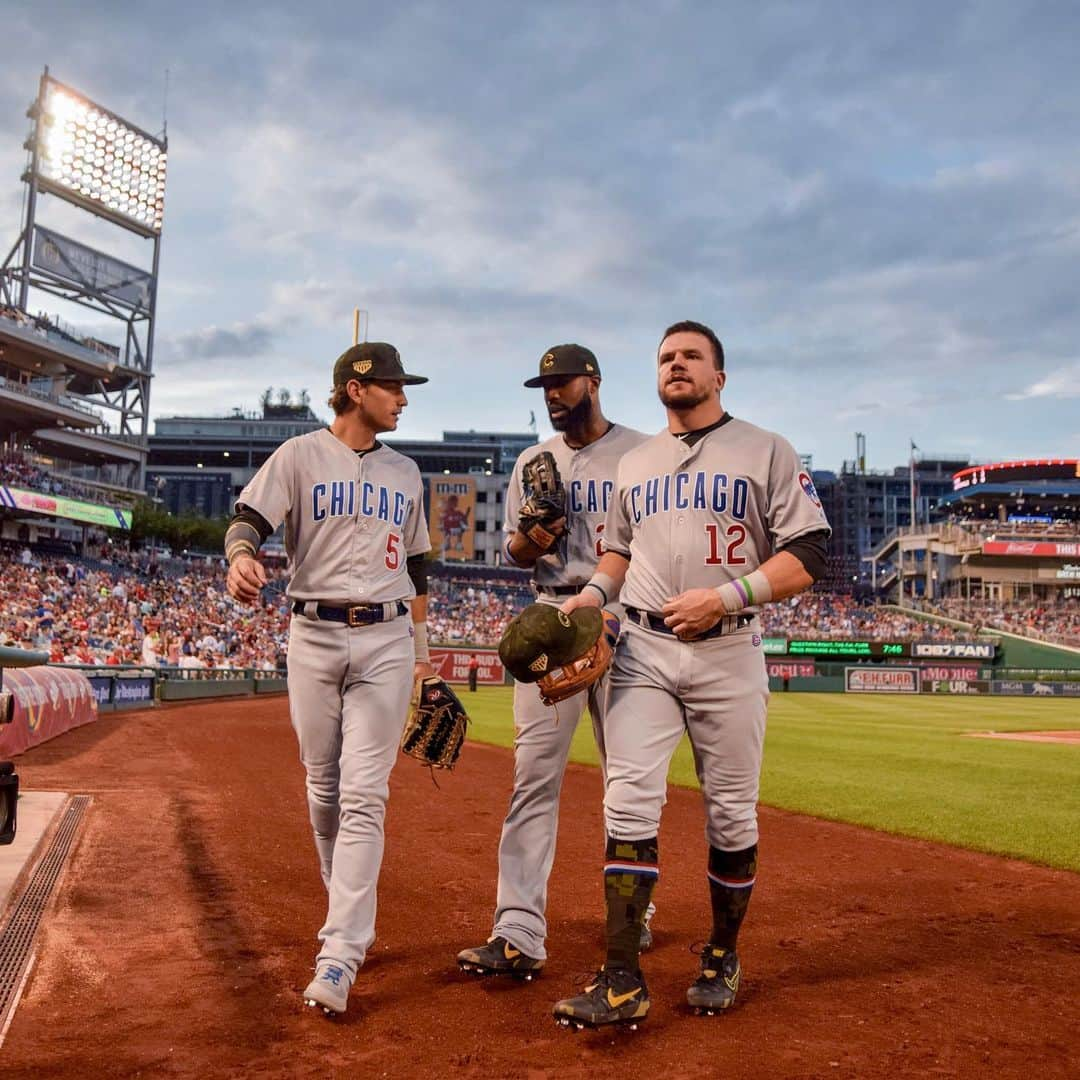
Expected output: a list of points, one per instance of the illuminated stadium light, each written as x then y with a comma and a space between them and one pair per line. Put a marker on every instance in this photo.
92, 157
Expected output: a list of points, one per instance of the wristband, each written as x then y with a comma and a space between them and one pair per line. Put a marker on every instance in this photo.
420, 643
745, 592
238, 548
605, 585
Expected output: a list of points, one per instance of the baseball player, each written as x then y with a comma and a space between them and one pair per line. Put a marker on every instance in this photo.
710, 519
356, 537
587, 448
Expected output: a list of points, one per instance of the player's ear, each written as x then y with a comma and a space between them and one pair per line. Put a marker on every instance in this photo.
721, 378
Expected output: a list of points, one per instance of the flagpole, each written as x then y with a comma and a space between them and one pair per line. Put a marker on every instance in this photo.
911, 482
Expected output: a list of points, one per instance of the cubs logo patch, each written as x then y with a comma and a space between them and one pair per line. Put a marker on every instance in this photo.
755, 640
540, 663
564, 618
548, 361
433, 696
808, 487
361, 367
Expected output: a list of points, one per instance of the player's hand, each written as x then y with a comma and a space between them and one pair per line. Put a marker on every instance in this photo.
693, 612
585, 598
246, 578
422, 670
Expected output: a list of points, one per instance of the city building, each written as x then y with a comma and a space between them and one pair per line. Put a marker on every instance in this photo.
201, 463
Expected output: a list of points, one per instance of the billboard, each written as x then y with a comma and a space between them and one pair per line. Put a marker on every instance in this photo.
1015, 688
1028, 548
13, 498
791, 669
954, 650
955, 686
452, 665
93, 270
453, 508
881, 680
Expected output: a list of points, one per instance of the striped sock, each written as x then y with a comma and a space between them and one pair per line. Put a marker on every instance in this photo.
731, 881
630, 872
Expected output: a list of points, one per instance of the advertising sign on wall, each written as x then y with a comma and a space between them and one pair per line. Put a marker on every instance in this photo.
881, 680
955, 686
59, 506
791, 669
47, 702
954, 650
453, 665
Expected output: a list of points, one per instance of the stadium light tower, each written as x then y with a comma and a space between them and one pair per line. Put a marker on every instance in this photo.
88, 156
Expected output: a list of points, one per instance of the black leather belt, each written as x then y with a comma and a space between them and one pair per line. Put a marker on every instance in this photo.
354, 614
727, 625
559, 590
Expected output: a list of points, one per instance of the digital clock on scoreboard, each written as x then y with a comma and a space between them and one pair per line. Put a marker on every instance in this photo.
849, 648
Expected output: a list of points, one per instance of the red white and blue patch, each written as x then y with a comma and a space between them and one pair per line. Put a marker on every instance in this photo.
808, 486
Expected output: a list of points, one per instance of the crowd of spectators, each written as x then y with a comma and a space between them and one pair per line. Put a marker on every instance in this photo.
115, 606
834, 616
1043, 620
17, 471
111, 613
474, 609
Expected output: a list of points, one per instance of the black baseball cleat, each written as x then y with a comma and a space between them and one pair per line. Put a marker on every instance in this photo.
499, 957
716, 986
615, 996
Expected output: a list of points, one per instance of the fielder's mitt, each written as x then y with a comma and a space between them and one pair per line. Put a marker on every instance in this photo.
545, 500
435, 728
580, 674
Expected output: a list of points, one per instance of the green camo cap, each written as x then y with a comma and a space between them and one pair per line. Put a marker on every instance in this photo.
372, 360
565, 360
543, 638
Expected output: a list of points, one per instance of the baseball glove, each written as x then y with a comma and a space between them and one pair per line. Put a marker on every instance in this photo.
545, 500
580, 674
435, 727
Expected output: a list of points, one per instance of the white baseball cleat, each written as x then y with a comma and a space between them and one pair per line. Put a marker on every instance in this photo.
329, 990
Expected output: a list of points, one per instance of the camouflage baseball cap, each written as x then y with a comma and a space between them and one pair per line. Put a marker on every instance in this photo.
372, 360
565, 360
543, 638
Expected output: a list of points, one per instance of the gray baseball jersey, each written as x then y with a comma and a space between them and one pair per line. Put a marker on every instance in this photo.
696, 516
543, 734
588, 475
691, 517
351, 520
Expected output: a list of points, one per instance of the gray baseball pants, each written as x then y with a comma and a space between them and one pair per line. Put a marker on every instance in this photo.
349, 691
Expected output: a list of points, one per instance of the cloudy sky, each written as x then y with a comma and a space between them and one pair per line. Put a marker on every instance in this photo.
877, 206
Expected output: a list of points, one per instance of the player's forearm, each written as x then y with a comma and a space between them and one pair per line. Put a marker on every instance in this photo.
608, 577
522, 550
777, 578
786, 575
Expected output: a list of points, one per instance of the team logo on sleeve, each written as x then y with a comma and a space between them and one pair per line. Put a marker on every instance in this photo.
808, 486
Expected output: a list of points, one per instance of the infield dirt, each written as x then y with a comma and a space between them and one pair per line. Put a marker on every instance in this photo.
184, 931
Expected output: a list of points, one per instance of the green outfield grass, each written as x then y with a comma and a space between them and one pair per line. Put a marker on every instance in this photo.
902, 765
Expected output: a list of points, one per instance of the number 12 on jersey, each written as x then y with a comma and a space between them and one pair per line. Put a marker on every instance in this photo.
724, 545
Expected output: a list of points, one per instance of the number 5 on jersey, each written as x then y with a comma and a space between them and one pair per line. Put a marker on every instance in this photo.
393, 551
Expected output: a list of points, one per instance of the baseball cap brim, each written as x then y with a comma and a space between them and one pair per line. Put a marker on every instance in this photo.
539, 380
404, 379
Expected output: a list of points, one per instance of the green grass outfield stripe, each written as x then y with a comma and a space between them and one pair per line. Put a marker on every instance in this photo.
900, 764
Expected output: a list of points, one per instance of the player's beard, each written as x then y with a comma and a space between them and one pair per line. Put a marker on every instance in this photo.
685, 395
576, 418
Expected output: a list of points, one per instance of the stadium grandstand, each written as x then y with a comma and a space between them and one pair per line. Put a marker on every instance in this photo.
1002, 551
